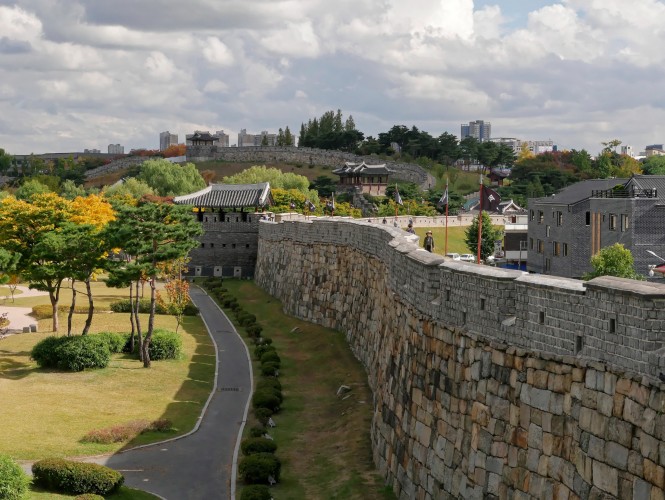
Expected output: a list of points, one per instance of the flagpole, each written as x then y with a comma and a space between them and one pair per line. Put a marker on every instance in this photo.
396, 204
447, 200
480, 218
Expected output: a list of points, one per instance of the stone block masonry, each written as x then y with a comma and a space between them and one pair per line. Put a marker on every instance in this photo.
487, 383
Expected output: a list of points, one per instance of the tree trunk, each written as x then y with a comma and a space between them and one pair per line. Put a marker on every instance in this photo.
131, 317
91, 308
138, 322
151, 323
54, 310
71, 309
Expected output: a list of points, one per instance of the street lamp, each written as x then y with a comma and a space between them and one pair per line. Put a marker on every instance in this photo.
653, 266
655, 255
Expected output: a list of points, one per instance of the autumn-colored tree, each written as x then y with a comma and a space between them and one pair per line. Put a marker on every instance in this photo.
209, 176
177, 299
175, 150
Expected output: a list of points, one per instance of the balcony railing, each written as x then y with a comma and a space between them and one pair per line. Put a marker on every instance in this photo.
625, 193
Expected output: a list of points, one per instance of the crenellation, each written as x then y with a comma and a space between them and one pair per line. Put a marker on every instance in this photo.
484, 402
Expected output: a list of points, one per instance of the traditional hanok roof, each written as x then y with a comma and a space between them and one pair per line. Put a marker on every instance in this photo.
203, 137
351, 168
228, 196
501, 172
509, 206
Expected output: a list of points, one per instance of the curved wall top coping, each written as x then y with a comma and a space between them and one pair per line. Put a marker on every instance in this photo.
547, 281
644, 288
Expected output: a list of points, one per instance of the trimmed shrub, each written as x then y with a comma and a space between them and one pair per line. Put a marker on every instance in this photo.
235, 306
271, 357
246, 319
44, 351
125, 306
45, 311
75, 478
115, 341
256, 492
266, 399
254, 330
165, 345
85, 351
190, 309
269, 369
255, 469
228, 301
269, 383
13, 481
271, 390
263, 414
257, 432
254, 445
261, 349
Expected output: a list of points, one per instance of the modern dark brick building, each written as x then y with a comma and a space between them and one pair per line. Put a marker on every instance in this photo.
566, 229
230, 215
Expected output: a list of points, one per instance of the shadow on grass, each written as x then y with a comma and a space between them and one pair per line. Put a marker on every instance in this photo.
13, 369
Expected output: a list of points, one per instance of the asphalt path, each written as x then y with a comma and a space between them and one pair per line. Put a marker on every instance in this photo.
200, 465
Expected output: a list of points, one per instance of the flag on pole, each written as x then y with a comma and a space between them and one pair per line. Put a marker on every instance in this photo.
444, 198
333, 201
491, 199
310, 206
398, 198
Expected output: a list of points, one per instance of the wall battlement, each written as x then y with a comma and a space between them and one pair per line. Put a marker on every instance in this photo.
306, 156
487, 383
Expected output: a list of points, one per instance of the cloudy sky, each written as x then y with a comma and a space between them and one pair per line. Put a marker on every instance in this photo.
86, 73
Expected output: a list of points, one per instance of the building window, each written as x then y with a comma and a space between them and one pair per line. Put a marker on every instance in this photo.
530, 243
541, 317
532, 215
556, 248
203, 245
578, 344
547, 231
559, 218
541, 246
513, 219
212, 245
548, 266
482, 304
233, 245
624, 222
565, 250
247, 245
223, 245
541, 216
613, 222
588, 218
447, 294
613, 325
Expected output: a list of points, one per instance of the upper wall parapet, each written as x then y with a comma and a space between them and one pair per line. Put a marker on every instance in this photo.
613, 320
307, 156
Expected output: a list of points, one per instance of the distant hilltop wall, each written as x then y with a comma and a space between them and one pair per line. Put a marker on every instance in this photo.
487, 383
307, 156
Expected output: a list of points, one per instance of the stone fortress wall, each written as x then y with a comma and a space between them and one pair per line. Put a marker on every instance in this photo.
307, 156
487, 383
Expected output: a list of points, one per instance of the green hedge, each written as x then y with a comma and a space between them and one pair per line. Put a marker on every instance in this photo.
271, 357
254, 330
269, 369
256, 492
115, 341
75, 478
125, 306
253, 445
255, 469
13, 481
165, 345
266, 399
260, 350
72, 353
263, 414
269, 383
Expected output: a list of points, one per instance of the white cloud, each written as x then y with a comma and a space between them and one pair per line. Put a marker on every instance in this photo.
160, 66
216, 52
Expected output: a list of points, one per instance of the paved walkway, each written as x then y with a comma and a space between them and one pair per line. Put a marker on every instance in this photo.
201, 465
19, 317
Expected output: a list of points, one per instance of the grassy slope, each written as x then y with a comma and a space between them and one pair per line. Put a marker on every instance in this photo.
323, 441
62, 407
124, 494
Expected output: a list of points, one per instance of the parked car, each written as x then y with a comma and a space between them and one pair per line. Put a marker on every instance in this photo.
467, 257
454, 256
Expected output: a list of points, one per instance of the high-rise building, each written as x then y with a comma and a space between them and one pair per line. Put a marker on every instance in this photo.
94, 151
167, 139
245, 139
116, 149
223, 139
478, 129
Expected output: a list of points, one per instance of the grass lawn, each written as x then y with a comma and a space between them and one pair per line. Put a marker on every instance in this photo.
456, 237
50, 411
226, 168
323, 441
124, 494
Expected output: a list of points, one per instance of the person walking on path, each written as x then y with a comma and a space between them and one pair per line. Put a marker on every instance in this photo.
429, 242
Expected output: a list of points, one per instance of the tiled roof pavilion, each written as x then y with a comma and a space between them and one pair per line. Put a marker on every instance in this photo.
229, 196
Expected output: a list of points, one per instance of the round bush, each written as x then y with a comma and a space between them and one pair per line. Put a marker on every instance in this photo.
255, 469
257, 432
250, 446
259, 350
256, 492
13, 481
190, 310
271, 357
76, 478
165, 345
44, 351
254, 330
266, 399
85, 351
262, 415
269, 383
115, 341
269, 369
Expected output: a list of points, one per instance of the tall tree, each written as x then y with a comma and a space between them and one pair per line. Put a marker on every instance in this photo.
614, 260
154, 233
171, 179
490, 234
288, 137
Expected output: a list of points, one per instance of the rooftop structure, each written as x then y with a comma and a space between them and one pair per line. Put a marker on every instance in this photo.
371, 179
